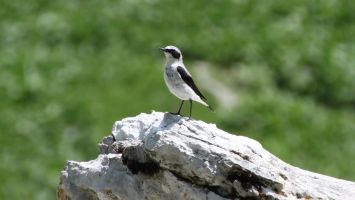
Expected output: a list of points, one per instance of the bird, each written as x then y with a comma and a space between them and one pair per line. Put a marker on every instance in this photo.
179, 81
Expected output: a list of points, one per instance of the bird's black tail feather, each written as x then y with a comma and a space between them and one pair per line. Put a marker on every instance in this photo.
211, 109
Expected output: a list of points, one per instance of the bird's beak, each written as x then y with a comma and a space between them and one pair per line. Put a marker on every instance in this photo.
162, 49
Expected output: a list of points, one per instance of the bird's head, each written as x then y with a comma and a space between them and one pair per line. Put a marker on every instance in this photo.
172, 53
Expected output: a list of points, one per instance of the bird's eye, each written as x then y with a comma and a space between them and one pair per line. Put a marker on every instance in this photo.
174, 53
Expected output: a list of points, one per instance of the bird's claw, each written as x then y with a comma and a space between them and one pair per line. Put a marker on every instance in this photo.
174, 113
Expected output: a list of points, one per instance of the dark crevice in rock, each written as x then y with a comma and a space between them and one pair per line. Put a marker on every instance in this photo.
136, 160
244, 177
223, 192
249, 180
146, 168
245, 157
219, 190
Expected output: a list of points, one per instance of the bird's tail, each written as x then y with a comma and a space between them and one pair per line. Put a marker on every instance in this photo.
211, 109
205, 104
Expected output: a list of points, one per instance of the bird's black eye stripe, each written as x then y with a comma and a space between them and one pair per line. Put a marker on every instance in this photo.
174, 53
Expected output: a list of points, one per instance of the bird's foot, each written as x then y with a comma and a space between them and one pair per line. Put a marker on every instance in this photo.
175, 113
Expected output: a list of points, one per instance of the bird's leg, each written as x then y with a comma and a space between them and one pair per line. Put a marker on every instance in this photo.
178, 112
182, 102
190, 108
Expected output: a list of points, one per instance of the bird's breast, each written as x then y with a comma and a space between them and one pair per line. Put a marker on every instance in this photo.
169, 72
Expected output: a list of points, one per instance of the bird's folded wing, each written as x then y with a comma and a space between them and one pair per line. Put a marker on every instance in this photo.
188, 80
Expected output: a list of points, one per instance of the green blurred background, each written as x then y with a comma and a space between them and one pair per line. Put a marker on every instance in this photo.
281, 72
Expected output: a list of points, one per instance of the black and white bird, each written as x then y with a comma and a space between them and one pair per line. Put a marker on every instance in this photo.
178, 79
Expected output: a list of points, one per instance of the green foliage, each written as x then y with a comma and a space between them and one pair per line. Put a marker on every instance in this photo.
69, 69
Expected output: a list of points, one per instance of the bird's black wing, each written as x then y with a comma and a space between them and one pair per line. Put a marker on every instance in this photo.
188, 80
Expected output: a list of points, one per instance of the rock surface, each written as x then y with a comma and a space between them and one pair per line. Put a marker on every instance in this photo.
162, 156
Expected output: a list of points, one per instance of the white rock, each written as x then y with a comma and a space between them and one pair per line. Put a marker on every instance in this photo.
162, 156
